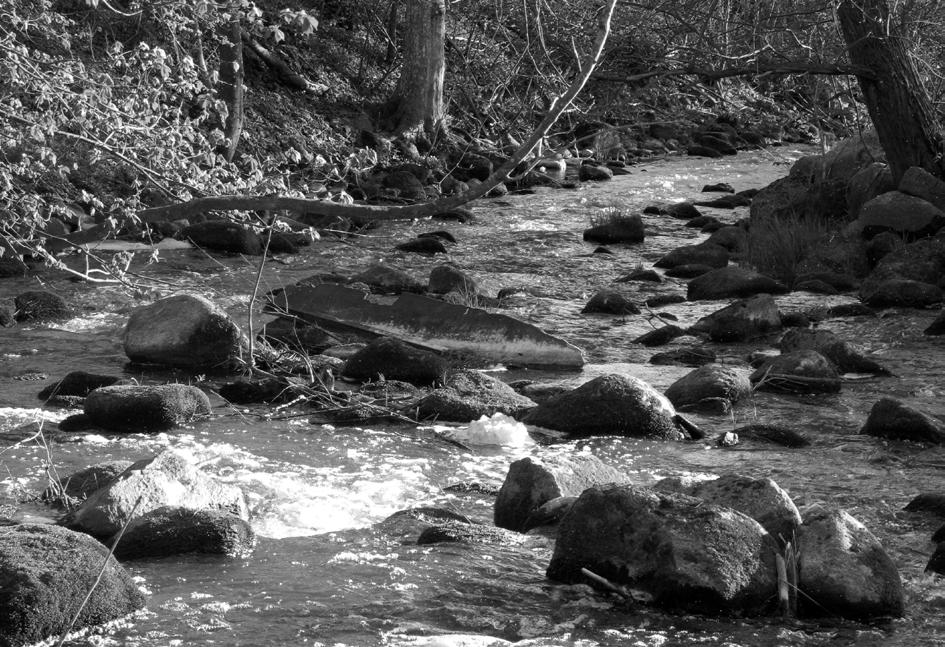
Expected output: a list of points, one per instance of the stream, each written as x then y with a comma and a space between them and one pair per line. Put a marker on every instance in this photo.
322, 574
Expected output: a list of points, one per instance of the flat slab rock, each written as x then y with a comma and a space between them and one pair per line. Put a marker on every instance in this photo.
434, 325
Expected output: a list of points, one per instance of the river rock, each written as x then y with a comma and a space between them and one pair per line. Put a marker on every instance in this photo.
922, 184
649, 276
408, 525
530, 483
446, 278
609, 405
702, 221
742, 320
405, 183
838, 281
469, 533
896, 420
880, 246
846, 357
176, 531
660, 336
922, 261
468, 395
549, 514
79, 485
732, 282
299, 335
134, 408
47, 571
691, 356
184, 331
904, 214
611, 302
802, 371
428, 246
701, 254
681, 211
700, 150
867, 183
717, 141
774, 434
270, 390
725, 202
903, 293
620, 229
815, 287
930, 502
685, 553
224, 236
395, 360
40, 306
76, 383
388, 280
937, 560
731, 237
718, 187
937, 327
168, 479
689, 271
761, 499
843, 570
595, 173
707, 385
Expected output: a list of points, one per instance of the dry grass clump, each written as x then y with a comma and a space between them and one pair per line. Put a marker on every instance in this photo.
777, 246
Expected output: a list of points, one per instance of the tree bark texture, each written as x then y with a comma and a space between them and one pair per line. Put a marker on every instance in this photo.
895, 97
418, 99
231, 85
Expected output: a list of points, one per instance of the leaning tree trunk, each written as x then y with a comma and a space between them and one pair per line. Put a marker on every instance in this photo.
895, 97
418, 100
231, 85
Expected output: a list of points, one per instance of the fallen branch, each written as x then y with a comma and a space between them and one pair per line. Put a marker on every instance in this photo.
759, 69
366, 213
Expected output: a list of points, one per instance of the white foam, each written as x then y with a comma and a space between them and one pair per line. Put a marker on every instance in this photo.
499, 429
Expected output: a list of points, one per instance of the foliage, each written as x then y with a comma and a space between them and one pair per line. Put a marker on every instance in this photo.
777, 246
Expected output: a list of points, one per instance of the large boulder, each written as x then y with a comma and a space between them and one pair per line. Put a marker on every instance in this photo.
903, 293
890, 418
701, 254
742, 320
899, 212
392, 359
467, 395
446, 278
46, 572
685, 553
224, 236
176, 531
802, 371
530, 483
594, 172
388, 279
709, 386
732, 282
609, 404
922, 261
168, 479
621, 229
611, 302
761, 499
867, 183
134, 408
816, 186
40, 306
844, 355
843, 569
184, 331
76, 383
922, 184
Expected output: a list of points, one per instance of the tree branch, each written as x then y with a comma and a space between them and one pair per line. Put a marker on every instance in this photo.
365, 213
781, 67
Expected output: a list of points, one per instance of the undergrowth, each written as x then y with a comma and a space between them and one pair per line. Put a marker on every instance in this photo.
778, 246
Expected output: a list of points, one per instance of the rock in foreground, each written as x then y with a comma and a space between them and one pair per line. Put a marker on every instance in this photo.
685, 553
46, 573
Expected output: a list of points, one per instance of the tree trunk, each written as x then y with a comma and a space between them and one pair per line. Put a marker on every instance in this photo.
418, 100
231, 85
895, 97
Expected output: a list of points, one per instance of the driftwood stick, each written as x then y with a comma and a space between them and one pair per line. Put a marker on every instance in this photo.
366, 213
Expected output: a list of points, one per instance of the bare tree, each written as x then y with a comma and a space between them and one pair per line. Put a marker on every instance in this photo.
418, 100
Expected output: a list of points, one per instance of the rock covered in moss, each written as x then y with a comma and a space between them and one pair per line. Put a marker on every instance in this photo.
40, 306
136, 408
709, 382
394, 360
466, 395
176, 531
47, 571
890, 418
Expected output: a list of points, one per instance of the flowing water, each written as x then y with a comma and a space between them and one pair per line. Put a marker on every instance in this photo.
323, 574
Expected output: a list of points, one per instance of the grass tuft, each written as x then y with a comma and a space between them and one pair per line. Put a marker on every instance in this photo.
776, 246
